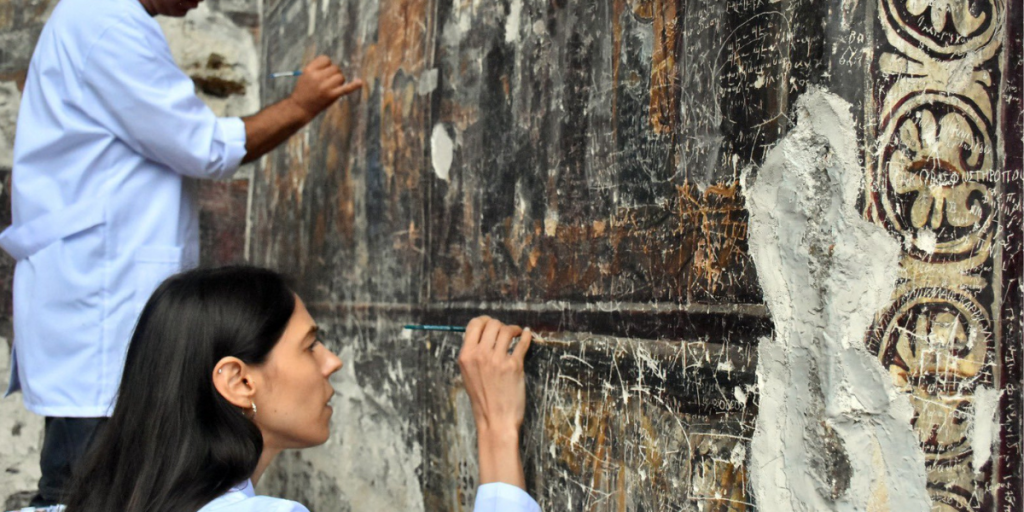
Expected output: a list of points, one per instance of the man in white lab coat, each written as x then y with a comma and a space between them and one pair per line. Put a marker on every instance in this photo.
108, 128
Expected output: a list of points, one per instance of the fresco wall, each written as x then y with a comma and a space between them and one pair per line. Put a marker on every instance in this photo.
774, 247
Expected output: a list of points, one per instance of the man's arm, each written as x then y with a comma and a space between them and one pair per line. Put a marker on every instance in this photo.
319, 86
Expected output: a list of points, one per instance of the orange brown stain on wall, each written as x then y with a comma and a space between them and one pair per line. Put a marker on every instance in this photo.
594, 457
720, 214
695, 241
298, 168
664, 69
18, 77
664, 89
400, 49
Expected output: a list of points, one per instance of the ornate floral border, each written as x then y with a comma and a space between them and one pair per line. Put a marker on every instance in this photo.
934, 180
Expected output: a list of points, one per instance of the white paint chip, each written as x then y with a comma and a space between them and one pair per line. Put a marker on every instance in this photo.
985, 425
428, 82
311, 26
926, 240
515, 15
442, 150
10, 99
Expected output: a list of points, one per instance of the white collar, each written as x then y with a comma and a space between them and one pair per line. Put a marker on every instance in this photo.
244, 488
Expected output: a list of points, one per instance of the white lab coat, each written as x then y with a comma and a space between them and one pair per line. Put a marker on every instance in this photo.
108, 127
494, 497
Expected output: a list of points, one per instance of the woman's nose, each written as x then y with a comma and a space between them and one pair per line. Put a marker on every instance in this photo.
332, 364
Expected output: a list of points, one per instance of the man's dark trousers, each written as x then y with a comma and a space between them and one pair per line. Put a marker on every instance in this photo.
65, 441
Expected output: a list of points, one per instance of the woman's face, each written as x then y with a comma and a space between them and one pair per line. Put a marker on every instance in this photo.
292, 402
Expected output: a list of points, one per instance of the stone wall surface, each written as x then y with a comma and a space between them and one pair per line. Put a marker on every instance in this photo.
218, 46
773, 246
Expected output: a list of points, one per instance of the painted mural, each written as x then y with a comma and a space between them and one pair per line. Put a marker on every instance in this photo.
575, 167
939, 183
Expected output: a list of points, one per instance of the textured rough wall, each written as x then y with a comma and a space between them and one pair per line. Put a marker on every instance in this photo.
775, 244
217, 45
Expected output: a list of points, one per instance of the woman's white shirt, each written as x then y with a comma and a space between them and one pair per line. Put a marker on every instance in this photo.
495, 497
243, 498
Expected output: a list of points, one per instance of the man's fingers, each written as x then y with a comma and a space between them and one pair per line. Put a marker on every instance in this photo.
350, 87
333, 82
524, 344
320, 62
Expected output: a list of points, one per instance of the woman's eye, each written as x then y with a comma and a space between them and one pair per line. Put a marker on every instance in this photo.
313, 345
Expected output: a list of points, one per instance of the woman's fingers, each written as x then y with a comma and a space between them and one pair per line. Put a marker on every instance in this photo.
474, 331
488, 339
505, 337
519, 353
490, 335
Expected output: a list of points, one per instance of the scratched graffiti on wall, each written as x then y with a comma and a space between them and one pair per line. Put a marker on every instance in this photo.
574, 166
937, 184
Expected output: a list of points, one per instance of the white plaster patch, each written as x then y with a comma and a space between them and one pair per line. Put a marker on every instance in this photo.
926, 240
465, 20
428, 82
513, 21
551, 225
203, 32
311, 9
539, 29
819, 385
442, 151
577, 430
10, 100
985, 425
21, 434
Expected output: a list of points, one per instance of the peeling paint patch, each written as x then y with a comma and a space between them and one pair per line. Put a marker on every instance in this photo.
513, 21
441, 151
428, 82
10, 98
985, 427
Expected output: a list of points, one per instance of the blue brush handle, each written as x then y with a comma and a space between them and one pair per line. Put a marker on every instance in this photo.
444, 328
285, 74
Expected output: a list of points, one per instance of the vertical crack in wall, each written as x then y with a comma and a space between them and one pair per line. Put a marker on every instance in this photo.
832, 432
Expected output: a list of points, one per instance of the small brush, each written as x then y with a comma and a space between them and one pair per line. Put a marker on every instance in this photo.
460, 328
283, 74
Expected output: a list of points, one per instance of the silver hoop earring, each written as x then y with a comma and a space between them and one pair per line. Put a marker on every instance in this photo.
253, 410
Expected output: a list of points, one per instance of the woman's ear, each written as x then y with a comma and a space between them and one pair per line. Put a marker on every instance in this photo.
234, 381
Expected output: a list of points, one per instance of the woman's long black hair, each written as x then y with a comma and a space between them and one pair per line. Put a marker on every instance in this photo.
173, 443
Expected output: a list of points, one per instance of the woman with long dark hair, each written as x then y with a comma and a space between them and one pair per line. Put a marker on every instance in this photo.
224, 371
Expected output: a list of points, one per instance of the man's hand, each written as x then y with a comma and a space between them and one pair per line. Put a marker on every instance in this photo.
497, 390
320, 85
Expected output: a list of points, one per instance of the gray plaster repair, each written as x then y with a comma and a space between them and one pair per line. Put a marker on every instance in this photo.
832, 432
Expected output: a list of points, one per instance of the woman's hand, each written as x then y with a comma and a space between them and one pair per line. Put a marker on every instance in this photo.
497, 389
